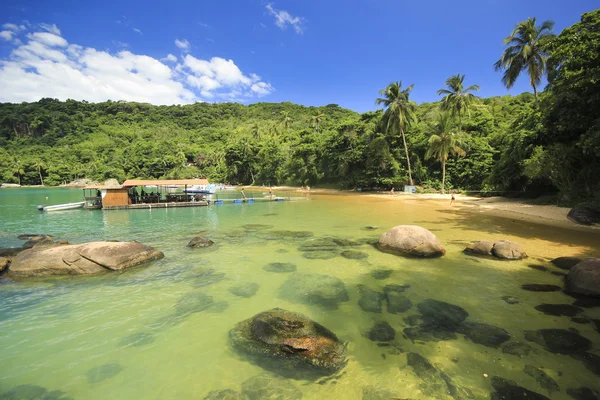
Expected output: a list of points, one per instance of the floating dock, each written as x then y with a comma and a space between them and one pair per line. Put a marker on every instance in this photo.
149, 206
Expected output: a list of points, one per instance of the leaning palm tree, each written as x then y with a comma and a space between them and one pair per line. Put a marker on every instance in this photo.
399, 113
39, 165
317, 119
525, 51
457, 99
444, 142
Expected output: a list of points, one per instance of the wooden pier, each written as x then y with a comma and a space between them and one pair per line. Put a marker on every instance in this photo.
149, 206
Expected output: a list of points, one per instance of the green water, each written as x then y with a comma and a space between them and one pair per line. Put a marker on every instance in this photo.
55, 331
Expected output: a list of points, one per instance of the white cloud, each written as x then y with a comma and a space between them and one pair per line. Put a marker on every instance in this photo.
50, 28
14, 27
210, 40
202, 24
170, 58
183, 45
283, 18
48, 66
136, 30
6, 35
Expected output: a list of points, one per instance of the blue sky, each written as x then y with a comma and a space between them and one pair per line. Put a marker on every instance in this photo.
305, 51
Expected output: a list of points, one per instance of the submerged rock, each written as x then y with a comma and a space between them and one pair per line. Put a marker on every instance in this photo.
284, 235
382, 332
517, 349
103, 372
378, 393
411, 240
193, 303
583, 393
584, 215
320, 255
42, 240
381, 274
205, 277
315, 289
583, 278
560, 341
354, 254
558, 310
566, 262
436, 383
370, 300
510, 299
396, 301
289, 341
542, 378
590, 361
256, 227
33, 392
540, 287
200, 242
509, 390
81, 259
227, 394
487, 335
246, 289
445, 314
280, 267
267, 386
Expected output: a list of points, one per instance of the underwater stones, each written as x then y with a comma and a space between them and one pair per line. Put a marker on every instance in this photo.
284, 235
267, 386
436, 383
200, 242
487, 335
560, 341
584, 278
246, 289
206, 277
411, 240
429, 332
381, 274
510, 299
227, 394
585, 301
37, 240
137, 340
504, 249
103, 372
590, 361
395, 300
256, 227
354, 254
370, 300
193, 303
320, 255
559, 310
280, 267
517, 349
509, 390
443, 313
377, 393
540, 287
81, 259
483, 247
319, 244
542, 378
33, 392
583, 393
584, 215
566, 262
315, 289
382, 332
289, 341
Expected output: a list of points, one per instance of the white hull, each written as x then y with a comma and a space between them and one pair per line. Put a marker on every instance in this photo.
62, 207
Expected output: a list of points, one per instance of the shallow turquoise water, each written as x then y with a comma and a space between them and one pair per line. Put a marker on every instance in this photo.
56, 332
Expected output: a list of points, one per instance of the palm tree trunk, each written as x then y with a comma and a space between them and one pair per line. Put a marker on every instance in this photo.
407, 157
535, 92
41, 179
19, 175
443, 176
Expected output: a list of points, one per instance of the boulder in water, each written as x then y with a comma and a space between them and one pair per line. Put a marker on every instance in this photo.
315, 289
505, 390
559, 310
382, 332
487, 335
411, 240
289, 341
396, 301
583, 393
280, 267
540, 287
436, 383
200, 242
542, 378
3, 264
377, 393
82, 259
370, 300
42, 240
517, 349
227, 394
354, 254
443, 313
483, 247
559, 341
590, 361
584, 278
267, 386
504, 249
245, 289
584, 215
381, 274
33, 392
566, 262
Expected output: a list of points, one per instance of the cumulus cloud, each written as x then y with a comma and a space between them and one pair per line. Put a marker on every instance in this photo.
14, 27
136, 30
7, 35
284, 18
47, 65
183, 45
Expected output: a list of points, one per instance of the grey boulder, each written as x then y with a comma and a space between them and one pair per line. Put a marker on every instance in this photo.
411, 240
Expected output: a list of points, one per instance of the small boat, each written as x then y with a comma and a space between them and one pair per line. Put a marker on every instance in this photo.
62, 207
205, 189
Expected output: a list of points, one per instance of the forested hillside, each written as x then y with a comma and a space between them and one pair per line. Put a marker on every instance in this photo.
550, 145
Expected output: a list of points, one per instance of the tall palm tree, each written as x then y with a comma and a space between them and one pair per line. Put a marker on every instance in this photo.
444, 142
525, 51
18, 170
457, 99
399, 113
317, 119
286, 120
39, 165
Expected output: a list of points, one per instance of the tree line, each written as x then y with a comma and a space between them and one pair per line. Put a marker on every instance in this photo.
545, 142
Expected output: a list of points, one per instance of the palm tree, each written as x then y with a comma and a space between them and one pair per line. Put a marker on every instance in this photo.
457, 99
445, 142
316, 119
18, 170
39, 165
525, 51
286, 120
399, 113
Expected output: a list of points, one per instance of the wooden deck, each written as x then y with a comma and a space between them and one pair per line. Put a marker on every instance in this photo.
147, 206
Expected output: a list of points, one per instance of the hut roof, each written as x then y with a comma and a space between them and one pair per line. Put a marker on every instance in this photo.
164, 182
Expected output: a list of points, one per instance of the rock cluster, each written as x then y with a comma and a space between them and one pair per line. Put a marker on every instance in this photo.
503, 249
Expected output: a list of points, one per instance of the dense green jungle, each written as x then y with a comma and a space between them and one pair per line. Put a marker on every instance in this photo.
542, 143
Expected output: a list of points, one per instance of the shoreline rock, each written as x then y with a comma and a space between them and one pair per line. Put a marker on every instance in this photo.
502, 249
411, 240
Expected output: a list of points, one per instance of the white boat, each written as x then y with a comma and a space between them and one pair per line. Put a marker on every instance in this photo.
229, 187
62, 207
205, 189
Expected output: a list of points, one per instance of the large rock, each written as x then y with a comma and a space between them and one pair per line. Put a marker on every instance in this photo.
411, 240
3, 264
436, 383
584, 215
509, 390
559, 341
200, 242
584, 278
82, 259
289, 341
566, 262
504, 249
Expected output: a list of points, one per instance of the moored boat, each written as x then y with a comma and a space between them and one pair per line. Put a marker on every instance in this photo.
62, 207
